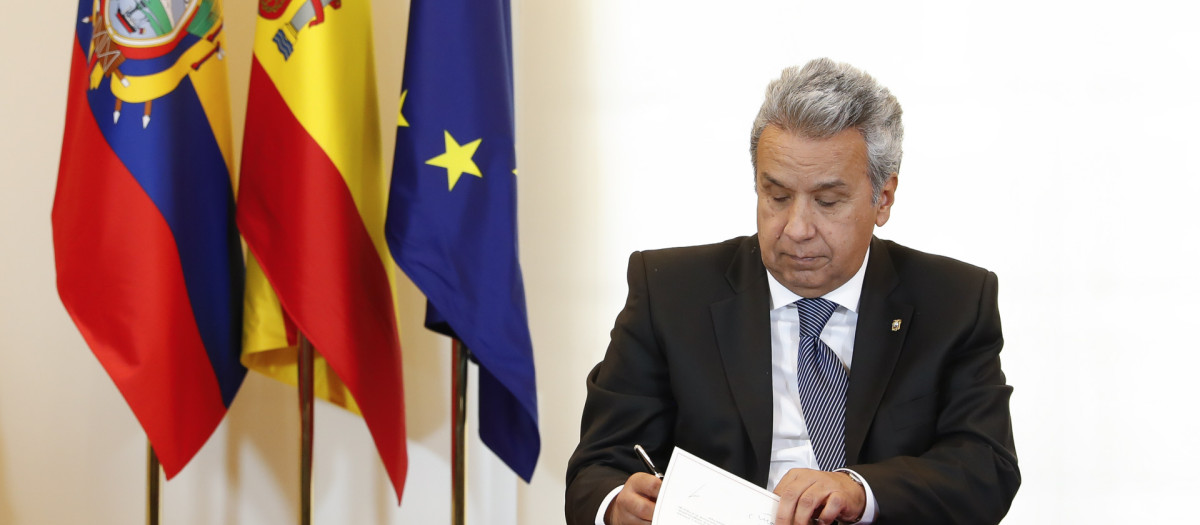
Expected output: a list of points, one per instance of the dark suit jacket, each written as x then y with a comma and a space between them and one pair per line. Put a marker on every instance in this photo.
689, 365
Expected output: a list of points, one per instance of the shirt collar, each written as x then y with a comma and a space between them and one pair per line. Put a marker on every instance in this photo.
845, 295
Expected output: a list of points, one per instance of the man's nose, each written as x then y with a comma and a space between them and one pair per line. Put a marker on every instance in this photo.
800, 224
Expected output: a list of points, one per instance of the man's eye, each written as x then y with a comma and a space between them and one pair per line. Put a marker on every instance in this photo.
779, 198
825, 203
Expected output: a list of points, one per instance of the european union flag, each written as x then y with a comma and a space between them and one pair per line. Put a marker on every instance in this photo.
451, 222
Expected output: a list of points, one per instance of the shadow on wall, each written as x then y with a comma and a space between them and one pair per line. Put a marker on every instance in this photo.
6, 508
272, 430
426, 366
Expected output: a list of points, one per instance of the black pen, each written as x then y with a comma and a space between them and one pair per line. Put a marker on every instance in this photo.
641, 452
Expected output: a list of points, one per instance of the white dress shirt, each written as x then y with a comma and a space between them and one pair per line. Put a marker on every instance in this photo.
790, 444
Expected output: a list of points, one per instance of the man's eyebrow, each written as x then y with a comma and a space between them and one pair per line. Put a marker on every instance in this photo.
826, 185
829, 185
772, 180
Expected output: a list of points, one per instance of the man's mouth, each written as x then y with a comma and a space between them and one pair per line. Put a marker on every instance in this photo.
804, 260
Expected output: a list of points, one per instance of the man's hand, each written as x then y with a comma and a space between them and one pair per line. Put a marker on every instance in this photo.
635, 502
807, 495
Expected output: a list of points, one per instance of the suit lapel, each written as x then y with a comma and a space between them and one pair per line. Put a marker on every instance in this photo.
877, 344
743, 333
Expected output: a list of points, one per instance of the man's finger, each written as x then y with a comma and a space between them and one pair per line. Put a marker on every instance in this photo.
637, 510
808, 507
645, 484
634, 504
835, 506
790, 490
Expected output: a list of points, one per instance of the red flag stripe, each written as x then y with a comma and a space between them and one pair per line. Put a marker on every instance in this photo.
111, 241
300, 221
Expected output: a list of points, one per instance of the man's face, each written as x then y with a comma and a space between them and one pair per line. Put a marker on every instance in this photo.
815, 214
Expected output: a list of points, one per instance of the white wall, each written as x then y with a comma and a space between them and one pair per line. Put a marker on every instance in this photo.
1046, 141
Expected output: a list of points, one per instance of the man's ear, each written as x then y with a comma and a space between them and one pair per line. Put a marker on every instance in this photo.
887, 197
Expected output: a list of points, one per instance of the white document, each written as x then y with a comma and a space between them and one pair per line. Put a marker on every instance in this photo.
696, 492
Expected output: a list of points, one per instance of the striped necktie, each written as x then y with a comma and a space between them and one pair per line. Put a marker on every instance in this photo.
822, 382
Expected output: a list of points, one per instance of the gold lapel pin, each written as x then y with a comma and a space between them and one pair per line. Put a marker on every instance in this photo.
895, 325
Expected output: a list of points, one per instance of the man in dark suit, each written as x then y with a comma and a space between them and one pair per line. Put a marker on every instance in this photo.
858, 379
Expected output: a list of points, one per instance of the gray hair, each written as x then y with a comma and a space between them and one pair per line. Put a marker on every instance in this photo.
824, 98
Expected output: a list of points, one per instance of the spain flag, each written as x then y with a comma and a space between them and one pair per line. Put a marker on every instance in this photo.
311, 206
148, 258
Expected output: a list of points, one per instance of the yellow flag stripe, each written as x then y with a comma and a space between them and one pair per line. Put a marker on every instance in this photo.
265, 347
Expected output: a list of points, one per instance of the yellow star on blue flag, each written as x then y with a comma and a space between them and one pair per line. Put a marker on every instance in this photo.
457, 159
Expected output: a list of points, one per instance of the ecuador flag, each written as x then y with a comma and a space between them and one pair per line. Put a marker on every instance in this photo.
148, 259
311, 207
452, 217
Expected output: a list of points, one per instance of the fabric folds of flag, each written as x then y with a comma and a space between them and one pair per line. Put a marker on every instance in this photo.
451, 222
311, 208
147, 254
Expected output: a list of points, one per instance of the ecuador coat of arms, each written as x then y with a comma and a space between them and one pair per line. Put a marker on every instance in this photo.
146, 47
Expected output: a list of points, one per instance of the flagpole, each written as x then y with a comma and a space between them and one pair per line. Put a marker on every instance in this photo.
304, 374
151, 485
458, 438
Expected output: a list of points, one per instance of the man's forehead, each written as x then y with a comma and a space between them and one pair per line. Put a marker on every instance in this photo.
783, 154
798, 148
